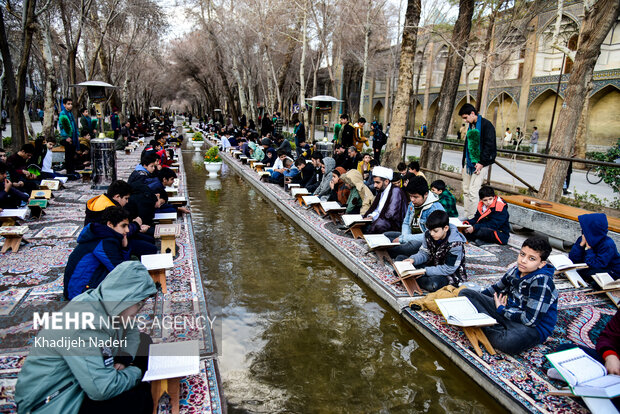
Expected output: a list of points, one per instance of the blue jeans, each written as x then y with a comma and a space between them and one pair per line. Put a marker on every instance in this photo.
507, 336
405, 249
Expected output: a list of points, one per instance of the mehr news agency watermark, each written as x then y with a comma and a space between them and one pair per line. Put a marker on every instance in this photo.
85, 321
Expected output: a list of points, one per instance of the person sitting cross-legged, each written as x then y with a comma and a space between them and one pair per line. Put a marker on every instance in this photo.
524, 302
595, 247
10, 197
442, 254
491, 223
389, 206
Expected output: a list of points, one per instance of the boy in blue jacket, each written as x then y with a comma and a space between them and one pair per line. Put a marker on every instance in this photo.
524, 302
101, 247
595, 248
490, 224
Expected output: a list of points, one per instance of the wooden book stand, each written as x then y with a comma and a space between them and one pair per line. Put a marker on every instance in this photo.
477, 337
356, 230
170, 386
409, 282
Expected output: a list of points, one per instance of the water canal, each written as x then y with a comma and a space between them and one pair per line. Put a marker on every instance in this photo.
297, 332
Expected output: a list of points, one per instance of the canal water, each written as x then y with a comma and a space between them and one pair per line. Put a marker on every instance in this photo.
297, 331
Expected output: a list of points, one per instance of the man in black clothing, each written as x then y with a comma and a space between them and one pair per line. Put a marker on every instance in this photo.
352, 159
317, 162
479, 152
347, 133
340, 155
266, 125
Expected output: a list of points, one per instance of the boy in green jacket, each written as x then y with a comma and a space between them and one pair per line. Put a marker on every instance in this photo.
447, 200
70, 371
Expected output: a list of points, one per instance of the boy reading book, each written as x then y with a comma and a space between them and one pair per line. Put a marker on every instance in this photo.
10, 197
524, 301
446, 198
442, 254
490, 223
595, 248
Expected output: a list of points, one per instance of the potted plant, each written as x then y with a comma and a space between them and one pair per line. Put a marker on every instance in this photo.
197, 140
213, 161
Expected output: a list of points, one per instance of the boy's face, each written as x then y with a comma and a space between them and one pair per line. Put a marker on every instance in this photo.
439, 233
529, 261
367, 158
69, 105
487, 201
24, 155
151, 167
85, 113
167, 182
436, 191
121, 228
50, 145
122, 201
2, 178
3, 156
417, 199
335, 178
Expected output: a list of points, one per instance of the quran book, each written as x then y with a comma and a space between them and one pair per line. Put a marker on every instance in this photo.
51, 184
172, 190
13, 230
406, 269
165, 216
350, 219
460, 311
291, 186
177, 200
458, 223
14, 212
301, 191
34, 202
62, 179
605, 281
263, 173
378, 240
309, 200
172, 360
562, 263
167, 230
157, 261
331, 206
585, 376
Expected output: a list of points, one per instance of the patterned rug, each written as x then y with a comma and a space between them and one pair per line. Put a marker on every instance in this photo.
522, 378
32, 280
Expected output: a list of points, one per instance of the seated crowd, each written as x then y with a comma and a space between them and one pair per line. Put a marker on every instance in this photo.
118, 230
408, 211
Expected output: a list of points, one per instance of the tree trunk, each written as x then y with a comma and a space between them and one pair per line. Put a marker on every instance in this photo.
302, 78
251, 98
405, 84
288, 59
485, 57
595, 27
430, 156
240, 87
17, 121
219, 65
427, 87
365, 62
50, 80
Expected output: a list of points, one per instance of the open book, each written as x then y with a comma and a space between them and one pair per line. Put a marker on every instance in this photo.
14, 212
50, 184
458, 223
299, 191
293, 185
351, 219
406, 269
157, 261
310, 200
461, 312
172, 360
562, 263
165, 216
565, 265
585, 376
605, 281
333, 206
378, 240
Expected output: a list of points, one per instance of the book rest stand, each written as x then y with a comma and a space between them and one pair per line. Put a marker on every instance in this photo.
334, 215
11, 241
409, 282
476, 337
382, 255
36, 207
169, 244
356, 230
299, 199
171, 386
159, 275
7, 221
85, 175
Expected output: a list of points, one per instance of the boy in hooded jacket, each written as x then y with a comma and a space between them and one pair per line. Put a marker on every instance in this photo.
101, 247
442, 254
491, 222
57, 379
595, 248
524, 302
422, 204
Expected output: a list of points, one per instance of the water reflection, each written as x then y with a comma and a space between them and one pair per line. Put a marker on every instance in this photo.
213, 184
298, 333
